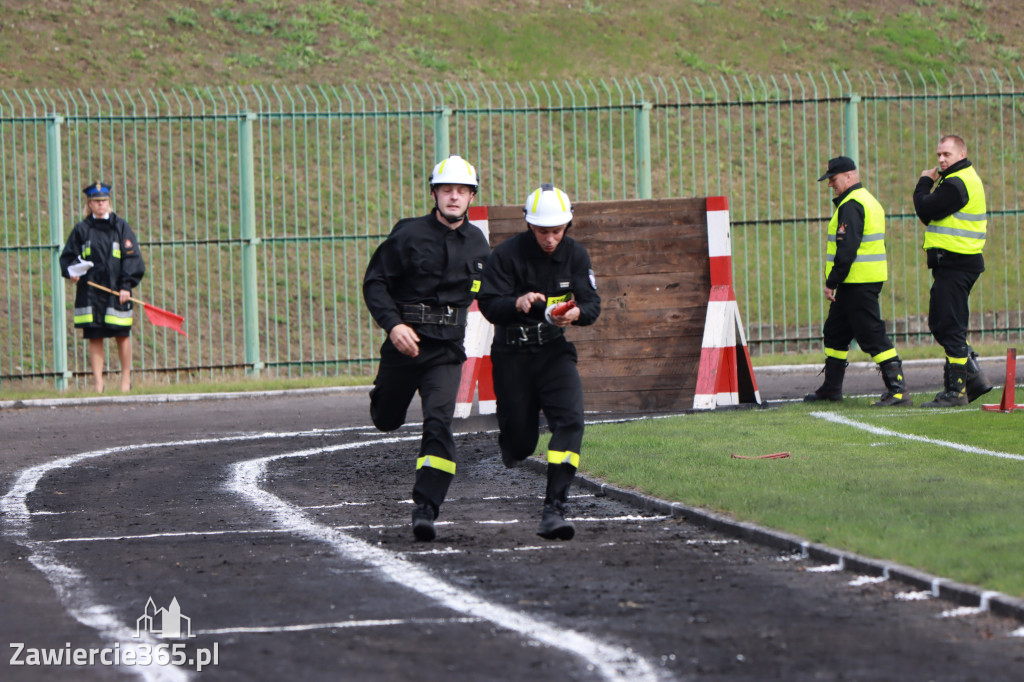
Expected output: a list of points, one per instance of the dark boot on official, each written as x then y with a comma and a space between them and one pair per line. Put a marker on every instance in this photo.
423, 522
895, 385
553, 525
977, 384
955, 392
832, 388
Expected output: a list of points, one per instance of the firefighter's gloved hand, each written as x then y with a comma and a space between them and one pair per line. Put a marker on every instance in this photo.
80, 268
558, 309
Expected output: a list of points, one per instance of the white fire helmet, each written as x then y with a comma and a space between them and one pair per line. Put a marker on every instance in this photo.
455, 170
548, 206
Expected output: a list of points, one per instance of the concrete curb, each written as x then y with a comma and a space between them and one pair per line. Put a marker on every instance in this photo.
960, 594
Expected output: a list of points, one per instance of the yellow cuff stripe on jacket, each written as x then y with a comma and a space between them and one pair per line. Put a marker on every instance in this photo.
435, 462
555, 457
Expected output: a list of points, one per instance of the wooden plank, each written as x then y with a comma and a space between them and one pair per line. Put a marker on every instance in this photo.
653, 272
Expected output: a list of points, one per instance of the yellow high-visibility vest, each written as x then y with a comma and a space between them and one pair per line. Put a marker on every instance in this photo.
965, 230
870, 264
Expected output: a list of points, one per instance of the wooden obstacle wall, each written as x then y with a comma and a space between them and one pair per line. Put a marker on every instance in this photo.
652, 266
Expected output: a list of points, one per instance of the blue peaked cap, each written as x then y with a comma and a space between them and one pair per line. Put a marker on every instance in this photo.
97, 190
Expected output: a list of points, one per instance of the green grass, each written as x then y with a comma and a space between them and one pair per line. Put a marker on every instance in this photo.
942, 510
263, 42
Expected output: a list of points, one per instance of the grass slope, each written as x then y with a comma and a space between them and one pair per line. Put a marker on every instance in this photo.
50, 44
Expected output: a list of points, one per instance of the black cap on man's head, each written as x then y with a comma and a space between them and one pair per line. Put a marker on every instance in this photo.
840, 164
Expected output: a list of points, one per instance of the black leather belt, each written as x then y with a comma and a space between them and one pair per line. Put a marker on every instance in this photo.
533, 334
445, 315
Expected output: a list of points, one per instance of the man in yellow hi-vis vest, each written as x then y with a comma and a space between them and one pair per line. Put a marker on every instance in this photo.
950, 201
855, 269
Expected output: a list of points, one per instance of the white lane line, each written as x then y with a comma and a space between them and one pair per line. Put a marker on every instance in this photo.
159, 536
914, 596
337, 625
881, 431
867, 580
831, 568
72, 587
612, 662
370, 526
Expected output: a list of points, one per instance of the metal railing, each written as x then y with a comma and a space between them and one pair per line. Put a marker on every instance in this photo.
258, 208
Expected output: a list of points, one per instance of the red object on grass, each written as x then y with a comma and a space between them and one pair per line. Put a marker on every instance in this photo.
774, 455
1007, 404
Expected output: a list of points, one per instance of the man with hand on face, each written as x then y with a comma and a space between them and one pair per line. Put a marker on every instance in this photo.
418, 287
535, 285
950, 201
855, 270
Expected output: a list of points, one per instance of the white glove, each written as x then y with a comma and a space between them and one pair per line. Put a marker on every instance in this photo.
80, 268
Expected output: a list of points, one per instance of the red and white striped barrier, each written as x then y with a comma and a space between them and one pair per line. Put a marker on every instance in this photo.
721, 378
476, 372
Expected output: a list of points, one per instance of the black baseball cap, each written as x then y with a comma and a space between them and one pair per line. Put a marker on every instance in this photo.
840, 164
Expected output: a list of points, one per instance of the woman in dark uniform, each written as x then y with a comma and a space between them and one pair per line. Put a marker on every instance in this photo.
103, 249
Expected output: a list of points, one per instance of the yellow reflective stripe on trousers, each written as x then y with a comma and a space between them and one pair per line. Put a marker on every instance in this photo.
884, 355
435, 462
837, 354
556, 457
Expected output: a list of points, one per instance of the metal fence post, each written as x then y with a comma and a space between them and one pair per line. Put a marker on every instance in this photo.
441, 142
247, 195
54, 187
851, 126
643, 151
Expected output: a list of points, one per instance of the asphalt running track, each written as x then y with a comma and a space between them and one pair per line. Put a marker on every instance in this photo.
280, 526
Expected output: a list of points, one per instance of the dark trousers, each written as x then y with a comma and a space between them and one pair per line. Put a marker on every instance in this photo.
855, 315
948, 311
537, 379
435, 373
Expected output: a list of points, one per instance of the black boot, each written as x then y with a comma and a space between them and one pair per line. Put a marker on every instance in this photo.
896, 386
423, 522
553, 525
955, 380
977, 384
832, 388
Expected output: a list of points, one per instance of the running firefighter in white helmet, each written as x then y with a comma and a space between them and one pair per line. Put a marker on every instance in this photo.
418, 287
536, 284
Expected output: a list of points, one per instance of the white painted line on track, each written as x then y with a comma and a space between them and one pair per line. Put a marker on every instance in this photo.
159, 536
527, 548
343, 624
831, 568
913, 596
618, 518
612, 662
881, 431
867, 580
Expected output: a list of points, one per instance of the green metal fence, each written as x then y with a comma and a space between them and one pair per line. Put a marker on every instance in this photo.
258, 208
